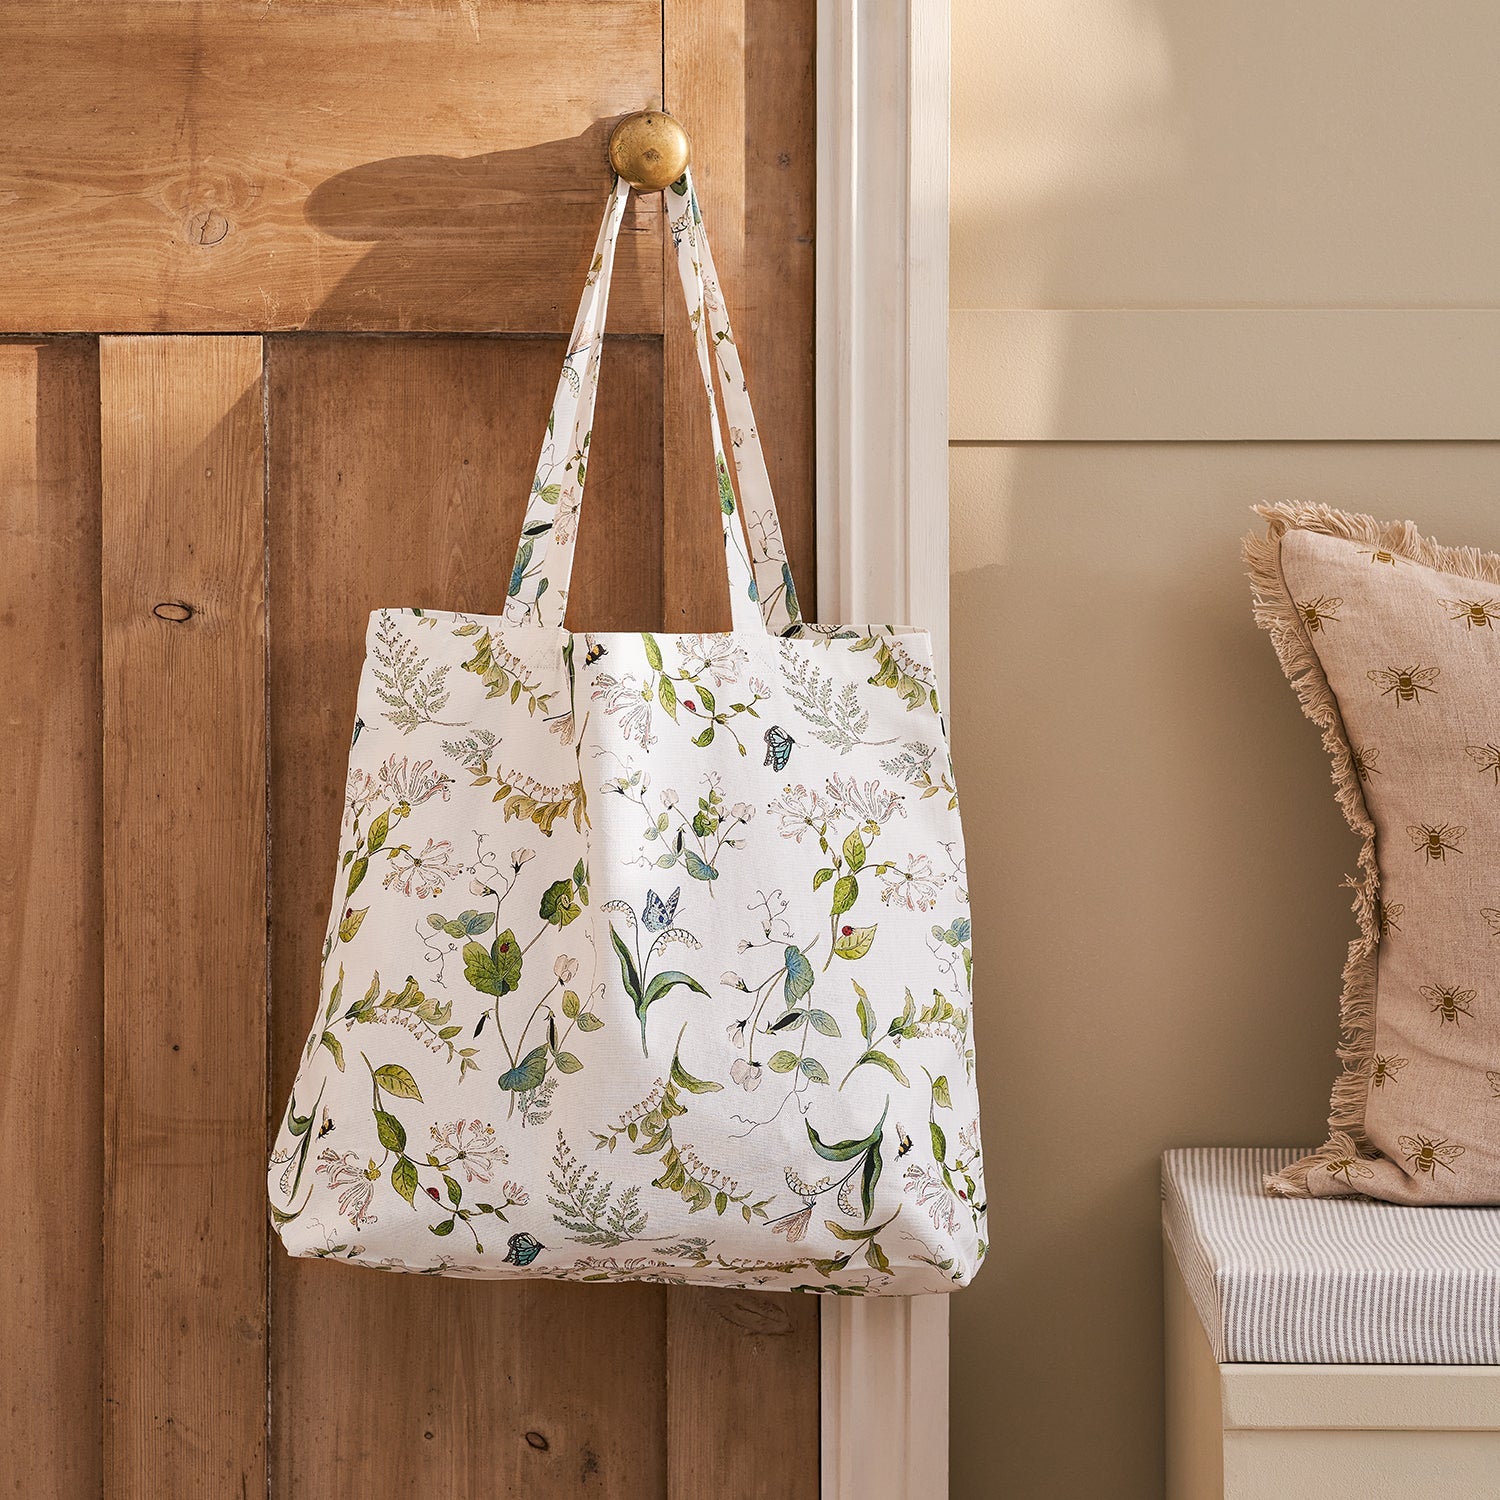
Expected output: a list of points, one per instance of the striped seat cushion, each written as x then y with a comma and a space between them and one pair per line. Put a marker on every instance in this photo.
1328, 1280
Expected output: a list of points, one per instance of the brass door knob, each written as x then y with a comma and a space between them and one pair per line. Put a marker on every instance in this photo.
649, 150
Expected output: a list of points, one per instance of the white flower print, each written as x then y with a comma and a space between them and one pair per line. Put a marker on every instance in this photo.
355, 1185
362, 790
713, 656
473, 1146
800, 811
746, 1074
624, 697
425, 873
414, 784
912, 883
867, 804
933, 1195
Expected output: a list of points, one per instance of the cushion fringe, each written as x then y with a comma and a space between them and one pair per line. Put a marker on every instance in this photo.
1277, 613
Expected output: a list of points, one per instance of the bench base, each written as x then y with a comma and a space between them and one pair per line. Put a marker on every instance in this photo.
1322, 1432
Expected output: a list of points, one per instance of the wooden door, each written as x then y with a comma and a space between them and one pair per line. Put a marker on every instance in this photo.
285, 293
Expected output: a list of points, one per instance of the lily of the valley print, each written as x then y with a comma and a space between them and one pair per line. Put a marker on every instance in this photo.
649, 956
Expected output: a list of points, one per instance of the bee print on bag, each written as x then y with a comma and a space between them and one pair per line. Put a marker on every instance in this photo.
1364, 762
1448, 1002
1473, 614
1436, 841
1427, 1155
1407, 683
1388, 916
1491, 914
1319, 612
1380, 556
1383, 1069
1492, 1077
1487, 758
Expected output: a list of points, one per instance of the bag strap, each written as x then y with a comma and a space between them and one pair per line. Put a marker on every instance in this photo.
761, 592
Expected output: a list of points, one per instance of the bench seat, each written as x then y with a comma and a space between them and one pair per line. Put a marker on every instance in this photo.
1328, 1280
1333, 1349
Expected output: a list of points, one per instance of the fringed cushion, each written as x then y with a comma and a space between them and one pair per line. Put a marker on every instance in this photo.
1393, 646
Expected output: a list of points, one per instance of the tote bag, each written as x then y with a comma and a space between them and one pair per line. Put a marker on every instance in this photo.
649, 956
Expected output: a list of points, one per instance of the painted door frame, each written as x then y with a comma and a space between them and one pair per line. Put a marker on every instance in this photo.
882, 516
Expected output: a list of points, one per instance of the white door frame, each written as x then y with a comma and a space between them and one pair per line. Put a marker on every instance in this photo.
882, 516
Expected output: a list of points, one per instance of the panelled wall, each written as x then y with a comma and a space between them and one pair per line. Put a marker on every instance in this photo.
1204, 255
286, 294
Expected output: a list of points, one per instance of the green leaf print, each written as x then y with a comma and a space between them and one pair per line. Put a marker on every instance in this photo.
495, 970
653, 651
404, 1179
845, 893
660, 984
397, 1082
391, 1131
799, 975
854, 852
558, 906
528, 1073
855, 943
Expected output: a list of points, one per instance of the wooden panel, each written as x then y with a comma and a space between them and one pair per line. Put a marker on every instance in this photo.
184, 924
742, 1387
400, 470
51, 1025
231, 164
740, 77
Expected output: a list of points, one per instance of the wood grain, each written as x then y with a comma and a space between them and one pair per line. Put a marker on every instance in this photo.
234, 164
399, 475
742, 1395
51, 1025
743, 1364
182, 468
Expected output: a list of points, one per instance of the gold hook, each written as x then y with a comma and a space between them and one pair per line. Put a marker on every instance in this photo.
649, 150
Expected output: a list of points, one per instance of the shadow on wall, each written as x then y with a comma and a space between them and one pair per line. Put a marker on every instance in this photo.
475, 221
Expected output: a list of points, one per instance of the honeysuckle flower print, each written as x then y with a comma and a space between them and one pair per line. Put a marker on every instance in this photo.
869, 804
912, 883
932, 1195
424, 873
362, 790
801, 812
625, 699
414, 784
565, 527
470, 1145
746, 1074
713, 656
354, 1184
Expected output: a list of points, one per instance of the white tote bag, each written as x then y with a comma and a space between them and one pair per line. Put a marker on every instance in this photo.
649, 956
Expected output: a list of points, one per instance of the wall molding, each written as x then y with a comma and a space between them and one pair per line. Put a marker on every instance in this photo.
1034, 375
882, 481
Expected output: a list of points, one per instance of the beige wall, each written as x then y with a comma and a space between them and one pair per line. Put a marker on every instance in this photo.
1155, 855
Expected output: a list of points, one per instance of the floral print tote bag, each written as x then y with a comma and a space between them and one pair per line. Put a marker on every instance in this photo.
649, 956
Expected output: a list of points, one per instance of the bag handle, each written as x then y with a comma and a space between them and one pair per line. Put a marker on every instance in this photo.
762, 595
